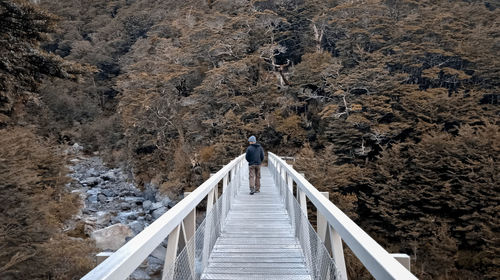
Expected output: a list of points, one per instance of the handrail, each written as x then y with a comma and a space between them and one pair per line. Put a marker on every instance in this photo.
375, 258
124, 261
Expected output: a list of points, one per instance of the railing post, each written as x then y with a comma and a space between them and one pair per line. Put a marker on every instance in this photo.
240, 173
298, 193
233, 183
210, 200
290, 199
216, 189
224, 183
225, 204
303, 201
333, 243
208, 228
189, 229
290, 183
321, 222
172, 246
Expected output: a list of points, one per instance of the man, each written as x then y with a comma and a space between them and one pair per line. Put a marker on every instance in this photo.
254, 156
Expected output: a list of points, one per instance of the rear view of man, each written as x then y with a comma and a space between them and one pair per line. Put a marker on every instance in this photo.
254, 156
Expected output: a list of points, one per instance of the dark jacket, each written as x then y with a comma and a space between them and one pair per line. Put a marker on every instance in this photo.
255, 154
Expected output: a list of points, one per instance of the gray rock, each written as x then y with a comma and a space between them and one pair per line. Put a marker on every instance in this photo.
148, 217
109, 176
103, 218
125, 206
92, 198
172, 203
94, 191
166, 201
139, 194
92, 172
156, 205
155, 266
159, 253
102, 198
147, 205
124, 216
76, 148
140, 274
108, 193
134, 199
158, 212
136, 226
91, 181
112, 237
88, 211
149, 193
132, 217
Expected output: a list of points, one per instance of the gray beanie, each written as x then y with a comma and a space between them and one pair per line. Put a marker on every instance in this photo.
252, 139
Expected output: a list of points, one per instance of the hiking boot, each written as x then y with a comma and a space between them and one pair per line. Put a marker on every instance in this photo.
252, 192
257, 191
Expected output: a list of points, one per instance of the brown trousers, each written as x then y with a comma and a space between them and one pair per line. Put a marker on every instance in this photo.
254, 177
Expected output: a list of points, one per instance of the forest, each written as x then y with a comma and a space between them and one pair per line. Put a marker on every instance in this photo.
391, 106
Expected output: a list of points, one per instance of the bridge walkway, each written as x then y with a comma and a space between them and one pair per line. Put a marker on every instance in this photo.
263, 236
257, 240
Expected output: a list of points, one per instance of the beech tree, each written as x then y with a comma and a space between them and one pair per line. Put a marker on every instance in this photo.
392, 100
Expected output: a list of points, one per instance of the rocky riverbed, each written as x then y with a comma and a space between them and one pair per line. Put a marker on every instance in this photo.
113, 209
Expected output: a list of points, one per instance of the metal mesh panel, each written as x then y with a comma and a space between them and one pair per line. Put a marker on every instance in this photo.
318, 261
192, 260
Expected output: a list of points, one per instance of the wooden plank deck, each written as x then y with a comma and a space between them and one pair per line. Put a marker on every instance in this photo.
257, 241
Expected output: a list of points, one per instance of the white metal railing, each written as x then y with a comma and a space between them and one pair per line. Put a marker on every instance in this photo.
181, 218
334, 226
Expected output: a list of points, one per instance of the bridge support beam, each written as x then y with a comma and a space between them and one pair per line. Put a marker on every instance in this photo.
332, 241
321, 222
172, 246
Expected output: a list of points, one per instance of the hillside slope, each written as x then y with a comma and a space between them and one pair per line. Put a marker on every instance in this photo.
392, 106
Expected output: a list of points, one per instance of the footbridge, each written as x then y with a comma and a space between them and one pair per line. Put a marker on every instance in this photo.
263, 236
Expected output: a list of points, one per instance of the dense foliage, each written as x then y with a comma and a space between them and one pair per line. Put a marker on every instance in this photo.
392, 106
34, 203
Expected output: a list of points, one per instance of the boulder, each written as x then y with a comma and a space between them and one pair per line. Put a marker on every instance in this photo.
156, 205
112, 237
103, 218
92, 199
108, 193
134, 199
91, 181
166, 202
109, 176
140, 274
160, 252
147, 204
136, 226
149, 193
102, 198
155, 266
132, 217
158, 212
93, 191
77, 148
125, 206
